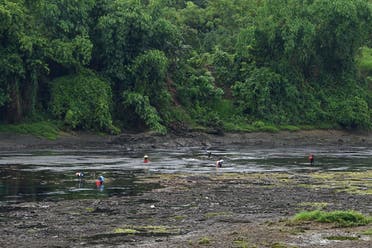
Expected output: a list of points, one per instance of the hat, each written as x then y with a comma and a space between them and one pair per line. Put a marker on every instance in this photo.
145, 156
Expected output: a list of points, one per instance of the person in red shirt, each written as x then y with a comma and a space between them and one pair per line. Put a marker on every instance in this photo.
311, 159
146, 159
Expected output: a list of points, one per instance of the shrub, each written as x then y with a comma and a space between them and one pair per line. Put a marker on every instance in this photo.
341, 218
352, 113
82, 101
144, 110
265, 95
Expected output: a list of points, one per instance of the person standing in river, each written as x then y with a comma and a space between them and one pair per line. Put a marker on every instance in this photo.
311, 159
146, 159
219, 163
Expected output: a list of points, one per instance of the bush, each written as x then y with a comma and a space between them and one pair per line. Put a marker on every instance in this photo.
144, 110
341, 218
83, 101
199, 90
265, 95
352, 113
208, 118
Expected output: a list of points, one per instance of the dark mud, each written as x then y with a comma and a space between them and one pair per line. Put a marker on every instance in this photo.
190, 210
192, 139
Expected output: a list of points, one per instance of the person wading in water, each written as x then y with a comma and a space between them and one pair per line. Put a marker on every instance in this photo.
219, 163
146, 159
311, 159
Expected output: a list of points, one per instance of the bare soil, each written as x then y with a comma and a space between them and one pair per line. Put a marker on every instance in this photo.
214, 210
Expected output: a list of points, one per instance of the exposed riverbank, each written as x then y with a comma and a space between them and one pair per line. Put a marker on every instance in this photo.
192, 210
216, 210
193, 139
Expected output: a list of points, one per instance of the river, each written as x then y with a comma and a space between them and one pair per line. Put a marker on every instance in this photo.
50, 174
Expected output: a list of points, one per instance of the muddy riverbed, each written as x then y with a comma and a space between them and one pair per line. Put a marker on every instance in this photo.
216, 208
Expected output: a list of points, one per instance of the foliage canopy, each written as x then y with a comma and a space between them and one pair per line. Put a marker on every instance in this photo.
221, 64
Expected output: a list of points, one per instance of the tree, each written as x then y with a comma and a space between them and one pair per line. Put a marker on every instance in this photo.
342, 27
122, 34
83, 101
38, 37
13, 18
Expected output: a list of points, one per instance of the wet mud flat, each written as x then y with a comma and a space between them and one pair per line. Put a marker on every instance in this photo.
134, 141
200, 210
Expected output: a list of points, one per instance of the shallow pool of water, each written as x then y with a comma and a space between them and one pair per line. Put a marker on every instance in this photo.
50, 175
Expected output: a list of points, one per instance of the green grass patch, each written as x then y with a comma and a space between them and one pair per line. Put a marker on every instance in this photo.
265, 127
340, 218
155, 229
41, 129
279, 245
258, 126
147, 230
125, 231
289, 128
350, 182
341, 238
315, 205
204, 241
89, 210
367, 232
241, 243
238, 127
216, 214
179, 217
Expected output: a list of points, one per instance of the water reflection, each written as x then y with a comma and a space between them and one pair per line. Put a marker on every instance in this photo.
51, 175
19, 183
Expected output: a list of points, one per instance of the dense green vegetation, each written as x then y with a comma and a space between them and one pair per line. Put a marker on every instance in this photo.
41, 129
236, 65
341, 218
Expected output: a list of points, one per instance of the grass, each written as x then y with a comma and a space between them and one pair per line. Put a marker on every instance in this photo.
204, 241
341, 238
216, 214
350, 182
41, 129
257, 126
179, 217
278, 245
340, 218
315, 205
241, 243
89, 209
150, 230
125, 231
237, 127
367, 232
260, 126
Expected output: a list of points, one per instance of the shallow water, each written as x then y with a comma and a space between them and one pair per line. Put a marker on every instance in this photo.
50, 175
